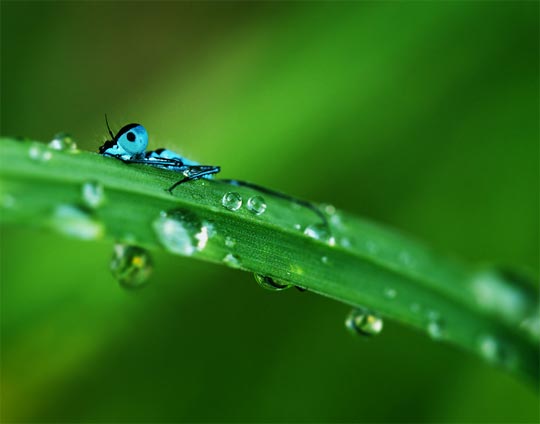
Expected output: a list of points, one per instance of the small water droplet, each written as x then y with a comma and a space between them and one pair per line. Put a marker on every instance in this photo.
63, 141
232, 260
390, 293
329, 209
256, 204
490, 348
371, 246
131, 265
324, 259
232, 201
39, 153
181, 232
269, 283
406, 258
364, 322
230, 242
93, 194
76, 222
320, 232
435, 329
531, 325
345, 242
297, 227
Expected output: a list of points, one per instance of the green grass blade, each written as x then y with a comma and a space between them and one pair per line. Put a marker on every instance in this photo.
359, 263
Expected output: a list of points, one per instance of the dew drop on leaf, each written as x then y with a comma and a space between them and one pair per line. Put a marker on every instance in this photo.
256, 205
63, 141
39, 153
363, 322
131, 265
269, 283
232, 260
76, 222
93, 194
181, 232
231, 201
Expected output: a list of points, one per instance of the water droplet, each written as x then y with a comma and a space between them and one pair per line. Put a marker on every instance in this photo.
232, 260
490, 348
297, 227
329, 209
345, 242
269, 283
364, 322
324, 259
390, 293
435, 329
76, 222
230, 242
181, 232
406, 258
63, 141
531, 325
131, 265
232, 201
320, 232
256, 204
39, 153
500, 293
93, 194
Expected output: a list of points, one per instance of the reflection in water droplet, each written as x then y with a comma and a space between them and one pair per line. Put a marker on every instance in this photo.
390, 293
181, 232
93, 194
232, 201
269, 283
232, 260
63, 141
435, 329
364, 322
76, 222
39, 153
131, 265
256, 204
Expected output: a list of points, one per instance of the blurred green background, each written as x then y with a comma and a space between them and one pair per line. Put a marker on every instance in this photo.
419, 115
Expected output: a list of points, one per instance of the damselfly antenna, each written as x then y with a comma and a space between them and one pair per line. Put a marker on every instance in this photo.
109, 128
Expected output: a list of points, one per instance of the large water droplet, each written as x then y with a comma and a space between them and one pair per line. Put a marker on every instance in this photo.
76, 222
39, 153
181, 232
364, 322
269, 283
131, 265
501, 293
256, 204
232, 260
93, 194
320, 232
232, 201
63, 141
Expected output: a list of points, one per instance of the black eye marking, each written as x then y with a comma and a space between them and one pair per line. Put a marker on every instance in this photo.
130, 136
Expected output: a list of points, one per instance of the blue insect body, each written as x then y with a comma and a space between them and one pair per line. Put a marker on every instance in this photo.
129, 146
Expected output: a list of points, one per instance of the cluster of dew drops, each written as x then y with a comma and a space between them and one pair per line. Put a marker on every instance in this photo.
180, 232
